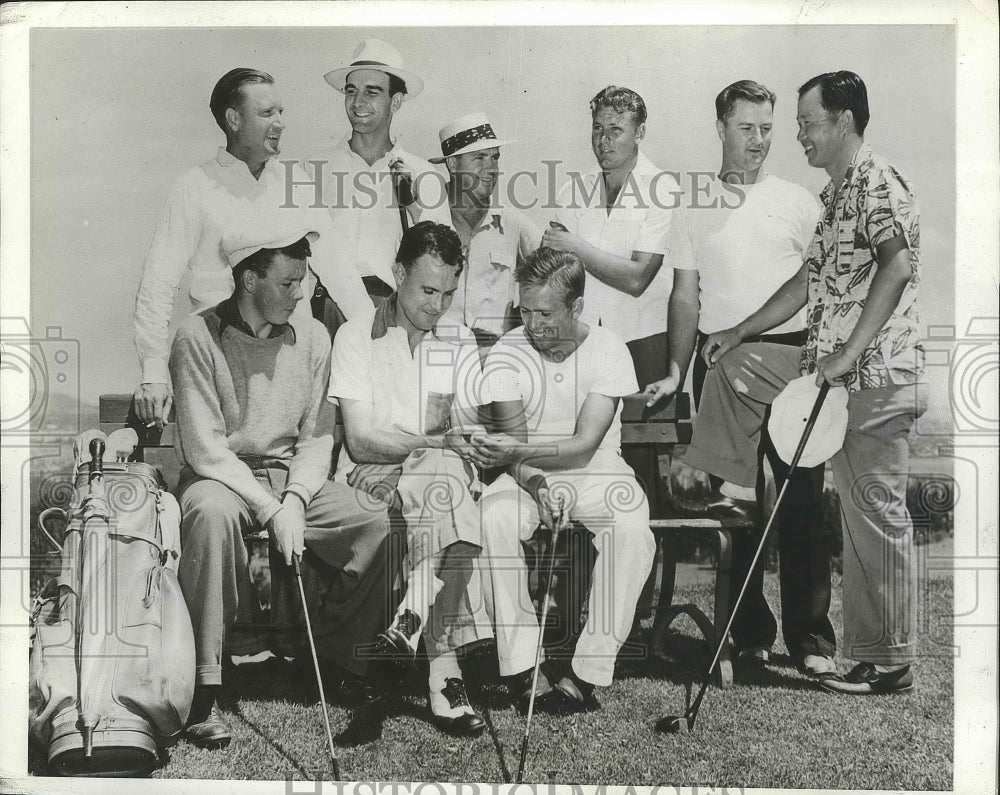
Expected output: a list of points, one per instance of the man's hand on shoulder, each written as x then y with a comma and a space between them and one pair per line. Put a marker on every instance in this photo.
288, 527
152, 403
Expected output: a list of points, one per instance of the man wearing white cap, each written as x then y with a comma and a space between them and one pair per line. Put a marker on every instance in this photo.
208, 202
256, 439
859, 286
495, 238
616, 221
731, 248
373, 188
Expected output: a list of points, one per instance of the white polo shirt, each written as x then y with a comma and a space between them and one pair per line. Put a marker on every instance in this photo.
639, 221
745, 241
424, 392
361, 201
554, 392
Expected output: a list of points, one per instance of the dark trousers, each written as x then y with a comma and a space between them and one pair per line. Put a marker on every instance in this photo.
803, 551
649, 356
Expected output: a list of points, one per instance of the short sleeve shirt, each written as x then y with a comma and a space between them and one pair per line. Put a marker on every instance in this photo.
426, 391
639, 221
873, 204
745, 241
486, 287
554, 392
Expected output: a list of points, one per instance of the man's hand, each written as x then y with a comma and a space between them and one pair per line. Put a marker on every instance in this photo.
664, 387
152, 403
719, 344
288, 528
402, 180
496, 449
557, 237
461, 440
549, 509
830, 368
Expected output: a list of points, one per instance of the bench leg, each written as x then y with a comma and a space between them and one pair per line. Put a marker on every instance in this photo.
668, 574
722, 572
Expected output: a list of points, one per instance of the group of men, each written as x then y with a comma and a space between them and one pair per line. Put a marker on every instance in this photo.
476, 343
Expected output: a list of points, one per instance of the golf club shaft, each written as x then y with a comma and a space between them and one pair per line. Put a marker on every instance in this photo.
319, 677
810, 422
538, 647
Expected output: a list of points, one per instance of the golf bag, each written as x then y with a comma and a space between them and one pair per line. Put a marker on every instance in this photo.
112, 663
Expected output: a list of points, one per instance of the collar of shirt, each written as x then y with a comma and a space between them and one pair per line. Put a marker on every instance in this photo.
831, 191
344, 145
228, 313
385, 318
492, 218
643, 172
227, 160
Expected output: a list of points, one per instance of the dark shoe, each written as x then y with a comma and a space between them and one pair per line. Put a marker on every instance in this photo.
575, 691
205, 727
519, 686
756, 656
348, 688
864, 680
396, 642
712, 506
467, 724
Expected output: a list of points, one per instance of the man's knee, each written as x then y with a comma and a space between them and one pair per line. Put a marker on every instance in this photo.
208, 505
501, 536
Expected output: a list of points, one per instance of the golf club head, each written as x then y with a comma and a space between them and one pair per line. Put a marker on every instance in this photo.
673, 724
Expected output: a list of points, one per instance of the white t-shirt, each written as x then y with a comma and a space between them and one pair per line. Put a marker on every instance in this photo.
639, 221
745, 241
554, 392
420, 392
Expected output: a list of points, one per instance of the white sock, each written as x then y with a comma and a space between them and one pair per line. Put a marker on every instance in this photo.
735, 492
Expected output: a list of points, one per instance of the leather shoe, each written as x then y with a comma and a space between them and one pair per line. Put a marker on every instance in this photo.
209, 732
396, 642
713, 506
465, 724
576, 691
754, 655
865, 680
520, 684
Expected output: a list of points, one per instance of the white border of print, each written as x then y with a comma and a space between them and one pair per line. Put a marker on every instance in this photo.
977, 257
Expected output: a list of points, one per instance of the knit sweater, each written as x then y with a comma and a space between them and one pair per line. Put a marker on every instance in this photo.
238, 395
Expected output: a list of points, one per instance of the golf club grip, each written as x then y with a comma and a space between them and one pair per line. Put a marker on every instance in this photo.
807, 431
96, 457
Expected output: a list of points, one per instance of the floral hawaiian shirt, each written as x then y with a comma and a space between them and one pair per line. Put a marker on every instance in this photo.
873, 204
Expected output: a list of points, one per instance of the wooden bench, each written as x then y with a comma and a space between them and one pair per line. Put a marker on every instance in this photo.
665, 425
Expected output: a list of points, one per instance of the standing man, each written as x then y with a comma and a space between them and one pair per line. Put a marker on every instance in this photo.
209, 202
256, 439
557, 384
408, 389
373, 188
616, 221
496, 239
859, 284
735, 243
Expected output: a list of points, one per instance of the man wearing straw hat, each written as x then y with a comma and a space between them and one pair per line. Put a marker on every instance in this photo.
373, 188
496, 239
255, 439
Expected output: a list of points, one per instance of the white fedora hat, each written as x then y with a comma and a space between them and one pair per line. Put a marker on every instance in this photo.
380, 56
790, 412
470, 133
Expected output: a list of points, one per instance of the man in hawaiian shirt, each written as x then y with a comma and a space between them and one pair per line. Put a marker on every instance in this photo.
859, 282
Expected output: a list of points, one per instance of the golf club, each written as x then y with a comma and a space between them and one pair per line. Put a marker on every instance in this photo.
682, 724
319, 677
560, 519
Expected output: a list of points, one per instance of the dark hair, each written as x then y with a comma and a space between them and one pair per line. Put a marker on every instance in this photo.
228, 92
397, 85
437, 240
560, 270
620, 100
840, 91
260, 261
749, 90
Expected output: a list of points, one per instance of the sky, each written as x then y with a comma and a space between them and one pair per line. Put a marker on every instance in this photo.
117, 114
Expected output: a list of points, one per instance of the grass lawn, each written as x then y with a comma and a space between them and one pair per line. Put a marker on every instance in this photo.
774, 728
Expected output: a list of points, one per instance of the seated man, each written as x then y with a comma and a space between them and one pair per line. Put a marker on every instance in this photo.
556, 383
406, 388
256, 439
